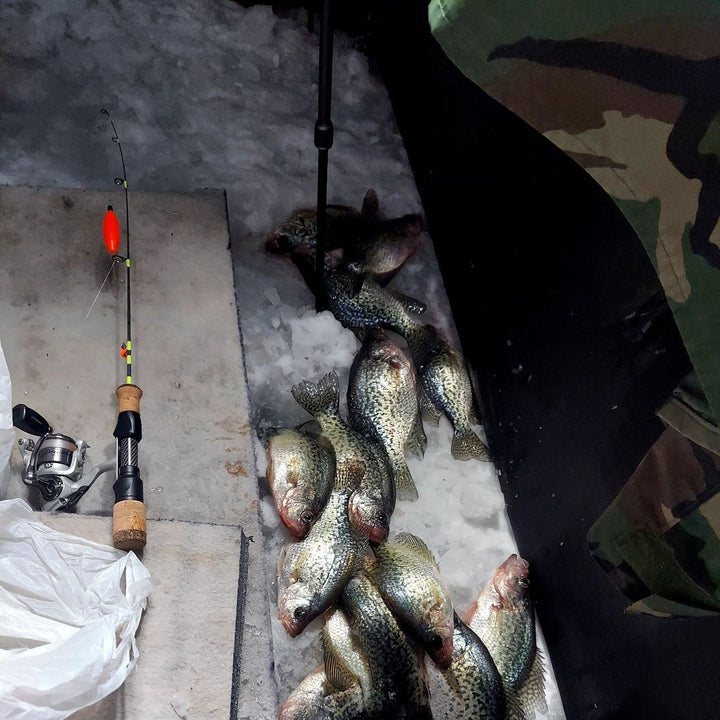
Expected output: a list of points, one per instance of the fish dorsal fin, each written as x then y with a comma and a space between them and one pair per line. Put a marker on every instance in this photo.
371, 205
530, 696
349, 475
416, 545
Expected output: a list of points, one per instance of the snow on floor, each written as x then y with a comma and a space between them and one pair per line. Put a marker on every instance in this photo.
205, 93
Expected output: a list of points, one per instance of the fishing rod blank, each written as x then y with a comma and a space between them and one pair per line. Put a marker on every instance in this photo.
129, 517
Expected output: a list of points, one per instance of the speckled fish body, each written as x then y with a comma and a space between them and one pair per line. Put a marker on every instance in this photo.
299, 230
389, 246
360, 303
300, 472
383, 405
314, 571
446, 386
373, 501
369, 245
408, 578
473, 679
398, 686
504, 619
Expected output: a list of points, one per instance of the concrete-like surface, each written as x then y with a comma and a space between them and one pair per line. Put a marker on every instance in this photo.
185, 638
196, 459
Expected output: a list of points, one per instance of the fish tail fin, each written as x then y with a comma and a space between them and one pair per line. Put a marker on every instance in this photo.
466, 445
417, 442
429, 412
404, 483
323, 396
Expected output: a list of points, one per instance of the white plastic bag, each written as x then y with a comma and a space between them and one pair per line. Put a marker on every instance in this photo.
69, 609
7, 433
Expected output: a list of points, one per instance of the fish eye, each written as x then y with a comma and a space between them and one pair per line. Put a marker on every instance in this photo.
524, 582
307, 517
382, 518
300, 613
435, 642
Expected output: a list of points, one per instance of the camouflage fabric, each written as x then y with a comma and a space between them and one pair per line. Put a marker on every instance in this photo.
660, 538
630, 91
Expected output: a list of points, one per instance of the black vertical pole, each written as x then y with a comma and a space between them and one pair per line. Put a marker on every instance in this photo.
323, 142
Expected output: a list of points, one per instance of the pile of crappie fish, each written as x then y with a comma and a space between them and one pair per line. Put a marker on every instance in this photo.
391, 632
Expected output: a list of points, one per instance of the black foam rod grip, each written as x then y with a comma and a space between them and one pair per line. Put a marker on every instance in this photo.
30, 421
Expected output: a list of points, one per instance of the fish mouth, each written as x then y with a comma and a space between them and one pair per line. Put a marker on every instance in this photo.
378, 534
375, 531
292, 627
297, 527
278, 242
510, 580
441, 652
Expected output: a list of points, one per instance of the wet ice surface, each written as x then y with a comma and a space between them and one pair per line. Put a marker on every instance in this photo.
206, 93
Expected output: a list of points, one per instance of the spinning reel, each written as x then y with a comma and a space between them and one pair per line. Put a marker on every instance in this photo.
54, 463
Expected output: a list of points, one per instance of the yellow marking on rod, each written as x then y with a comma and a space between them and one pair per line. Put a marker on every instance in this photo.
128, 345
127, 262
128, 380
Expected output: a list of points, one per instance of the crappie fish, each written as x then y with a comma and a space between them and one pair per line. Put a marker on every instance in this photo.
372, 502
300, 472
299, 230
314, 571
476, 687
360, 303
383, 405
398, 687
408, 578
445, 387
370, 245
504, 619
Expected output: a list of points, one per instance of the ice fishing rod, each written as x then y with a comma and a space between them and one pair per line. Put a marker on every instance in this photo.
129, 517
323, 143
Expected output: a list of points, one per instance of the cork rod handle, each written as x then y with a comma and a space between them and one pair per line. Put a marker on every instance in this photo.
129, 398
129, 518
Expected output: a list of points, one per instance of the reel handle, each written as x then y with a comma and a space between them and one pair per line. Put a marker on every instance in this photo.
129, 518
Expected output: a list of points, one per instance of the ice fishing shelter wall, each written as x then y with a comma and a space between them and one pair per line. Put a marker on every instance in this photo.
571, 337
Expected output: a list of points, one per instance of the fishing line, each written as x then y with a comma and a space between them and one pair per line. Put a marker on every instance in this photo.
127, 347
